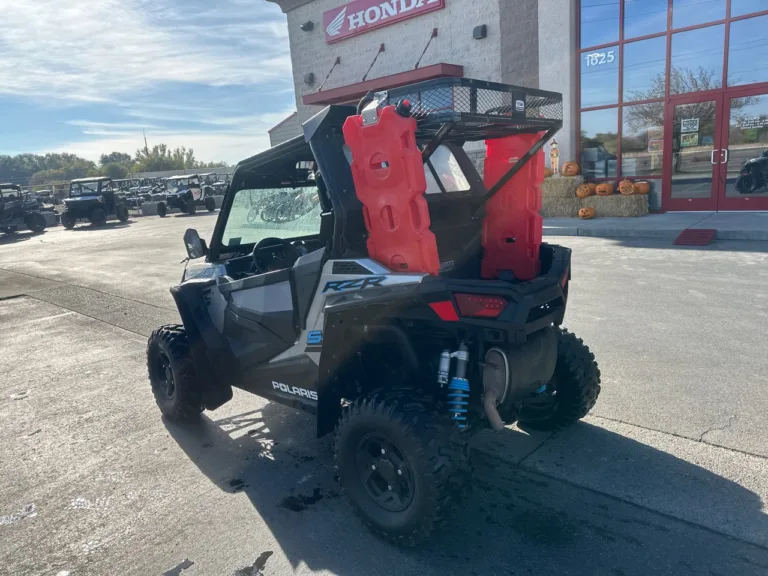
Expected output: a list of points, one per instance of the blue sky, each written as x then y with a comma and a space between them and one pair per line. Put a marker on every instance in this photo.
86, 76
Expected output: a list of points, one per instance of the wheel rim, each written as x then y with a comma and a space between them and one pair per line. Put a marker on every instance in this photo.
542, 405
384, 472
164, 375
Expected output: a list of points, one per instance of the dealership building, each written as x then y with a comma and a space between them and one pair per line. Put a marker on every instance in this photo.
674, 92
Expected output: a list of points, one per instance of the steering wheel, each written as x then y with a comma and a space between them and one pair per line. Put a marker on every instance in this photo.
266, 256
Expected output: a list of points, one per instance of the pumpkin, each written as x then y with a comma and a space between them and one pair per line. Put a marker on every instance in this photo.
642, 187
626, 188
586, 213
570, 169
604, 189
547, 172
592, 187
583, 191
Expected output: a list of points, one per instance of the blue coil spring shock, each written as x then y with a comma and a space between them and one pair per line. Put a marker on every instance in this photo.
458, 401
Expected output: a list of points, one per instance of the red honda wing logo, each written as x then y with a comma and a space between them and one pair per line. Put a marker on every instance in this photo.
363, 16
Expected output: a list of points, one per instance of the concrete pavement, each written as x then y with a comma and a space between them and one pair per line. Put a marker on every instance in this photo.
729, 225
668, 475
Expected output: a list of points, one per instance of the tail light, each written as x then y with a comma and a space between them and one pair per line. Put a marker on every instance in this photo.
480, 306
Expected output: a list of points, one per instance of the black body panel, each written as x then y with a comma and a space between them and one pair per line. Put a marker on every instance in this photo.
305, 276
297, 375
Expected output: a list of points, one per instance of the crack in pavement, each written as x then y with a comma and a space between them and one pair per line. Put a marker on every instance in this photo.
731, 420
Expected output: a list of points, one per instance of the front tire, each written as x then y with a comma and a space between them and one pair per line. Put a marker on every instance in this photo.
571, 393
35, 222
122, 213
191, 207
402, 465
162, 210
172, 374
210, 204
67, 220
98, 217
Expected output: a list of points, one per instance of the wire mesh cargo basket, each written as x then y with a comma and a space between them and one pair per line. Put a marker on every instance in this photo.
479, 110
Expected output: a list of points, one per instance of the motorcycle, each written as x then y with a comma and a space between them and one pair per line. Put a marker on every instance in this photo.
753, 175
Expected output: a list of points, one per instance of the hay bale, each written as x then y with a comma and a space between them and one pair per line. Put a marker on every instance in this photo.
617, 206
560, 207
561, 186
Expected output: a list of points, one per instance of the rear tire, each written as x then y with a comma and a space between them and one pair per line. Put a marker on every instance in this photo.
67, 220
121, 211
423, 465
571, 393
35, 222
746, 184
98, 217
172, 374
210, 204
162, 210
191, 207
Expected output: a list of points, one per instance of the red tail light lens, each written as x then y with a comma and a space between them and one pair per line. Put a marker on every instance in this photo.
479, 306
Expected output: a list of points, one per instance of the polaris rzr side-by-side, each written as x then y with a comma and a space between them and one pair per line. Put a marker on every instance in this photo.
418, 307
186, 193
95, 200
19, 210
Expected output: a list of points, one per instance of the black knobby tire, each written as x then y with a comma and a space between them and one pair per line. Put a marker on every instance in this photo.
571, 393
122, 212
210, 204
98, 217
35, 222
172, 373
67, 220
191, 207
162, 210
435, 456
746, 184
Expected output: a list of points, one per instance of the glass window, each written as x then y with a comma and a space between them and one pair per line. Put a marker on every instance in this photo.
642, 139
693, 142
747, 56
697, 60
643, 17
448, 171
599, 137
645, 68
599, 22
748, 147
692, 12
273, 212
741, 7
600, 77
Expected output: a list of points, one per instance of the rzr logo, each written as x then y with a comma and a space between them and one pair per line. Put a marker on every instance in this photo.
311, 394
359, 284
334, 28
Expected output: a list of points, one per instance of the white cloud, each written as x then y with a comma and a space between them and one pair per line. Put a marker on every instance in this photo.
96, 50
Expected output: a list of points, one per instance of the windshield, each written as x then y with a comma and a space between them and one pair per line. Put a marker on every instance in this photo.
276, 212
84, 189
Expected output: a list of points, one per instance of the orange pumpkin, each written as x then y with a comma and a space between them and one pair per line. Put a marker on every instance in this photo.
583, 191
626, 188
586, 213
592, 187
570, 169
547, 172
604, 189
642, 187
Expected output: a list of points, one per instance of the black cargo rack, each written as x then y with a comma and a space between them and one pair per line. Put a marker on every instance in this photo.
478, 110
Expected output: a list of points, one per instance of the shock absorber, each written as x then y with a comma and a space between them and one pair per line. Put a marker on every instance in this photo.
458, 389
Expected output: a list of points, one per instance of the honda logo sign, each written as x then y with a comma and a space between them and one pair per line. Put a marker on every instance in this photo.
363, 16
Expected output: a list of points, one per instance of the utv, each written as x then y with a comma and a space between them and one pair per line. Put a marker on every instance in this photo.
185, 193
422, 308
95, 200
19, 210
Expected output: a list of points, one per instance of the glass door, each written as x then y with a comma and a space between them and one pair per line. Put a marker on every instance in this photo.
693, 153
744, 155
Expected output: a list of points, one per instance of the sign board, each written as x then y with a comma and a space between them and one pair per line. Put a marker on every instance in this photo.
752, 122
362, 16
689, 125
689, 140
655, 145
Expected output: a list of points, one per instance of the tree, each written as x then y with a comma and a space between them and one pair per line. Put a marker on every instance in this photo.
160, 158
115, 171
116, 158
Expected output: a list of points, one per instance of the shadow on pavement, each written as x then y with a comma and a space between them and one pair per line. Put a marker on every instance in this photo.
107, 226
513, 523
16, 237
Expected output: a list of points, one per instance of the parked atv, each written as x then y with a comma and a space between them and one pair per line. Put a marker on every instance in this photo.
185, 193
390, 326
94, 200
753, 176
19, 210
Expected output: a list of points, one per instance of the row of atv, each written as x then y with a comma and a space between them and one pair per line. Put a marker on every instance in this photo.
19, 210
